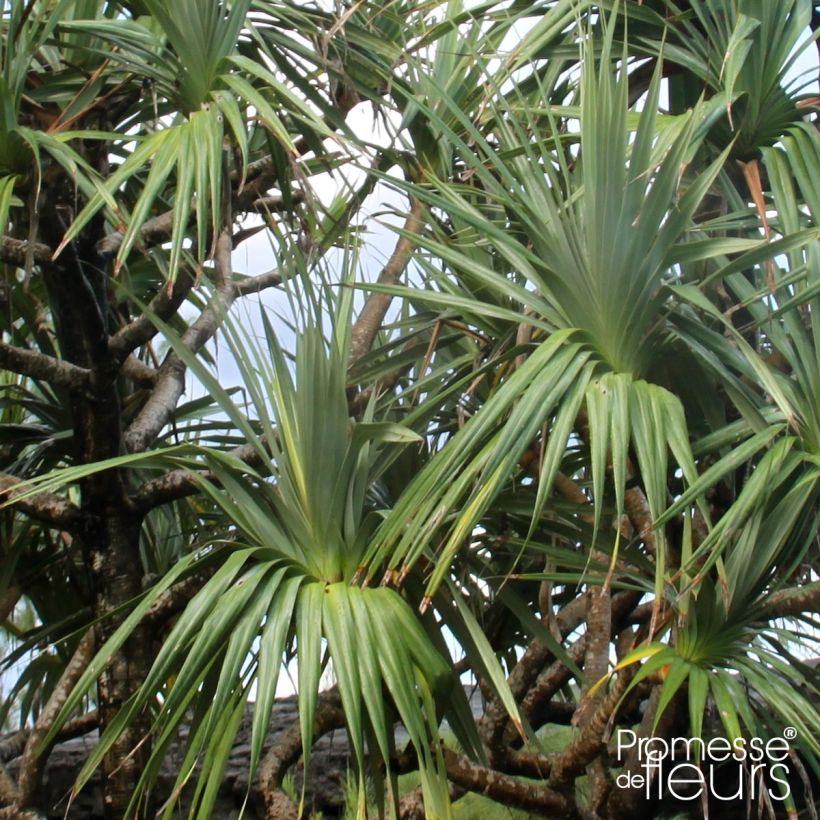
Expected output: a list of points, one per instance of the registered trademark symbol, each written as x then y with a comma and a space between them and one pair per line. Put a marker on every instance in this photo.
790, 733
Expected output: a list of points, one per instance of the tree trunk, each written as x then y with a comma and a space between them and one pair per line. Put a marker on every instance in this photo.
117, 570
110, 537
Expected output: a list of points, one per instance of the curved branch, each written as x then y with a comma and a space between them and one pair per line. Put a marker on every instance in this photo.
283, 754
375, 308
14, 252
505, 789
591, 740
44, 507
38, 365
142, 329
170, 386
34, 756
793, 601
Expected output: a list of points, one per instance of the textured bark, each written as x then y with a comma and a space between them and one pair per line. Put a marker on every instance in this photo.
170, 385
793, 601
37, 365
524, 673
596, 656
43, 507
283, 754
178, 484
630, 802
590, 741
505, 789
118, 572
109, 535
14, 252
596, 665
375, 308
34, 755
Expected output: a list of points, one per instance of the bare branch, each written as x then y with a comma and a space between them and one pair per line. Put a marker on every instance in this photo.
793, 601
637, 510
256, 284
160, 407
535, 703
142, 329
14, 744
591, 740
505, 789
140, 373
44, 507
596, 664
178, 484
372, 314
14, 252
283, 754
176, 598
38, 365
158, 229
34, 757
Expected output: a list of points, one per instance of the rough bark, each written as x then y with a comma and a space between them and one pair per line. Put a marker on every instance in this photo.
793, 601
170, 385
109, 534
43, 507
37, 365
283, 754
34, 755
118, 575
375, 308
505, 789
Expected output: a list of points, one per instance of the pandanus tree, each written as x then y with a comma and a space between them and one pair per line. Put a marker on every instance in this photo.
572, 459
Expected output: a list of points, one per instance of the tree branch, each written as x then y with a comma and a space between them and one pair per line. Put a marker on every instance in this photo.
14, 744
256, 284
181, 483
170, 386
375, 308
591, 740
176, 598
505, 789
283, 754
38, 365
143, 375
626, 802
248, 195
142, 329
596, 664
14, 252
34, 756
44, 507
158, 229
793, 601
